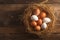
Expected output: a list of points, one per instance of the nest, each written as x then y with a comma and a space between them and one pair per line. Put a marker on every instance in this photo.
28, 13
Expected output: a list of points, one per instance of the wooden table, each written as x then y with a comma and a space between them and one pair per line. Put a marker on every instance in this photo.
11, 27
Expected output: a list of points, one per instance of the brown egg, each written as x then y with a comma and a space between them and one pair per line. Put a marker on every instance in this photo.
36, 11
37, 28
42, 15
33, 23
39, 22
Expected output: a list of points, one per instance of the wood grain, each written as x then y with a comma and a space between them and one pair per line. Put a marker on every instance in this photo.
27, 1
14, 31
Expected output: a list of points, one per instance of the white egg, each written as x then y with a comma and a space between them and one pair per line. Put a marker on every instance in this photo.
44, 26
46, 20
34, 17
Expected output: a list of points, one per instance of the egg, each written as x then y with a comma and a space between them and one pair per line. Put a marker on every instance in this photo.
46, 20
39, 22
37, 28
33, 23
44, 26
42, 15
34, 17
36, 11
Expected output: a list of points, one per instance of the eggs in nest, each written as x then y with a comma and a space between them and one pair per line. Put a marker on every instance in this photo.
39, 19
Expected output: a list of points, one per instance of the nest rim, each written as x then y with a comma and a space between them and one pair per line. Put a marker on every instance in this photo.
28, 10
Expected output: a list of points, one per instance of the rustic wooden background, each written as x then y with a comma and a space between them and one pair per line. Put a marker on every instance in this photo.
11, 27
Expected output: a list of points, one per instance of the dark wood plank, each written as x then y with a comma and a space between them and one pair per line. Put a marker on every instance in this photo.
14, 32
27, 1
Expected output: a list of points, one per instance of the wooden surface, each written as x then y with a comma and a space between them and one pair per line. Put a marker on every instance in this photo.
26, 1
11, 27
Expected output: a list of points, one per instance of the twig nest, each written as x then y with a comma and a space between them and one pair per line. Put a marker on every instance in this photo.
39, 19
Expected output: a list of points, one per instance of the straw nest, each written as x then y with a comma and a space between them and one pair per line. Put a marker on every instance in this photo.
27, 16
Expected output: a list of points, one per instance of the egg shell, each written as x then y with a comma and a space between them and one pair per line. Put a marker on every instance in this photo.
42, 15
34, 17
37, 28
44, 26
36, 11
39, 22
33, 23
46, 20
